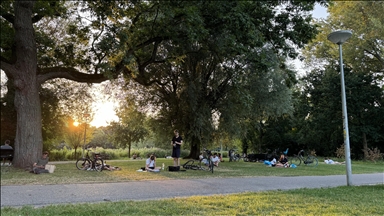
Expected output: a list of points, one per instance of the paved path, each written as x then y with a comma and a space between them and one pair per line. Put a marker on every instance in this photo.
41, 195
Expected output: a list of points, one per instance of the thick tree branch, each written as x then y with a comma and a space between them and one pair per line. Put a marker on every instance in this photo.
69, 73
8, 69
9, 17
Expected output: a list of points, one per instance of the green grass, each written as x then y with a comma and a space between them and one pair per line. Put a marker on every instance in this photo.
353, 200
356, 200
68, 174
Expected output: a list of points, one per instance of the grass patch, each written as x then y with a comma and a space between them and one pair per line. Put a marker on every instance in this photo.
352, 200
68, 174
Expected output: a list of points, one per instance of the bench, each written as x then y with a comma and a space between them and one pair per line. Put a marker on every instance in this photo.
6, 154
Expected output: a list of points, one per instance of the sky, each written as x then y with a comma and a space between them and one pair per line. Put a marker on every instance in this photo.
105, 109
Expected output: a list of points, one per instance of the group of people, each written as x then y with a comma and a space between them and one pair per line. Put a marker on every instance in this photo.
215, 158
282, 162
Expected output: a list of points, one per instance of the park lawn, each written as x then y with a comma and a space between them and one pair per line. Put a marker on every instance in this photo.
344, 200
66, 173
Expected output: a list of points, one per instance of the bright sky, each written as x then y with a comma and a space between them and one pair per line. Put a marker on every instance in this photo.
104, 113
319, 13
104, 109
104, 104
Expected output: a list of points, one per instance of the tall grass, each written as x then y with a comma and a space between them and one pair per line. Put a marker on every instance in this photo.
111, 154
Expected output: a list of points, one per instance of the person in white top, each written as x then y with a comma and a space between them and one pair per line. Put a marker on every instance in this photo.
330, 161
215, 160
150, 164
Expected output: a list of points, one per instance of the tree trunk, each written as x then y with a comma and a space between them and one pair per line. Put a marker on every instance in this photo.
195, 149
129, 150
29, 141
365, 146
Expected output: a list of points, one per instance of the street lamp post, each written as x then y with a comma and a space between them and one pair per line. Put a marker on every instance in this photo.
339, 37
86, 115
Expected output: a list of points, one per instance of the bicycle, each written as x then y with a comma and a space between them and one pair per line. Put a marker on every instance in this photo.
191, 163
85, 163
310, 160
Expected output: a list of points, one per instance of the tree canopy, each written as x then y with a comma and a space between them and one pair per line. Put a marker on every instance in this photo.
93, 41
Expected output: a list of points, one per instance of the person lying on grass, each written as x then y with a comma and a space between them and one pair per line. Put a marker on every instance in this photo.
109, 167
330, 161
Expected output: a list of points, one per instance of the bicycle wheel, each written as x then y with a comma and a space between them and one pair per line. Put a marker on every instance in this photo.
295, 160
188, 164
83, 164
99, 164
311, 161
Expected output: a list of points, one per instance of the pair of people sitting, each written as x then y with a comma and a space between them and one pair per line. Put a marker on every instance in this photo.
214, 158
283, 161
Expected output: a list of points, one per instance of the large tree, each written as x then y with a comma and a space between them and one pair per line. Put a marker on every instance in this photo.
130, 128
92, 41
363, 58
228, 69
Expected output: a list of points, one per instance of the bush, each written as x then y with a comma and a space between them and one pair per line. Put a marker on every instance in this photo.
340, 152
373, 154
110, 154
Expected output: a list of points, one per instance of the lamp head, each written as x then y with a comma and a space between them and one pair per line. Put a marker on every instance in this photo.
339, 37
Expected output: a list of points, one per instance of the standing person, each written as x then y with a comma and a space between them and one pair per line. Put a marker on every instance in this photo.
39, 166
176, 142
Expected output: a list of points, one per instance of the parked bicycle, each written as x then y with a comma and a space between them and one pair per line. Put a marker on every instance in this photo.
204, 164
86, 163
298, 159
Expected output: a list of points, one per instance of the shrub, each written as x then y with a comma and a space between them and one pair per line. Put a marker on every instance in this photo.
340, 152
373, 154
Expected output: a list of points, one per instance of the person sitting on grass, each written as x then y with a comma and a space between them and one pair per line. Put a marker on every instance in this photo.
215, 160
150, 164
283, 161
39, 165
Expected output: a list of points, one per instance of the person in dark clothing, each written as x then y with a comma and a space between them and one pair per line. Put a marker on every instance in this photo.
283, 161
39, 165
176, 142
8, 150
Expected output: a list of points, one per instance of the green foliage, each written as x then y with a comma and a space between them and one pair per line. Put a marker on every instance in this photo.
66, 154
364, 51
130, 128
197, 52
223, 59
340, 152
